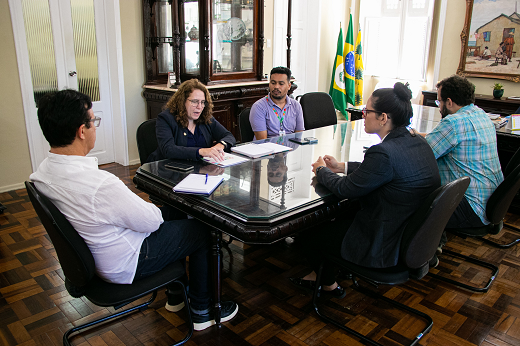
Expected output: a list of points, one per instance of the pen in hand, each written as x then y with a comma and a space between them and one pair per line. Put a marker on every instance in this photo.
206, 180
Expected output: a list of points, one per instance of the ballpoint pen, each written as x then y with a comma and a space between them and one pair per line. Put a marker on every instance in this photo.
206, 180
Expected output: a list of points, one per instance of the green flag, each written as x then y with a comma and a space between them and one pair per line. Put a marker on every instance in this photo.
337, 81
350, 70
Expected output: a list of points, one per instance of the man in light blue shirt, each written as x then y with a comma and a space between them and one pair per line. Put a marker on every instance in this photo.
276, 114
464, 144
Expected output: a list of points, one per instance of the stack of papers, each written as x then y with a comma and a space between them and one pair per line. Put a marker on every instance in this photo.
258, 150
499, 122
201, 184
229, 160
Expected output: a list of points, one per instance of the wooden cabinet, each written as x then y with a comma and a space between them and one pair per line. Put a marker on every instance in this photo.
215, 41
228, 101
486, 102
219, 42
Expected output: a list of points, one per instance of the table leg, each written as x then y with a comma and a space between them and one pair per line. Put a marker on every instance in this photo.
216, 236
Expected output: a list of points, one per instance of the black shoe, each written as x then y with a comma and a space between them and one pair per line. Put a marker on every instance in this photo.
308, 285
175, 299
175, 302
202, 321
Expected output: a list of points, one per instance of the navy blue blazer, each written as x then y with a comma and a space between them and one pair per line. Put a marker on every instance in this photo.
172, 138
391, 182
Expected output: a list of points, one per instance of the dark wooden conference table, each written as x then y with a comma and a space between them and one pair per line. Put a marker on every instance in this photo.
253, 205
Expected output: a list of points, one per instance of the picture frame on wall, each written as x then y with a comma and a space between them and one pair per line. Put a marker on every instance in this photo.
491, 40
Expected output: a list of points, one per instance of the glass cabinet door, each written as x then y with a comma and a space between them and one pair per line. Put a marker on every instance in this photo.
191, 37
212, 40
232, 35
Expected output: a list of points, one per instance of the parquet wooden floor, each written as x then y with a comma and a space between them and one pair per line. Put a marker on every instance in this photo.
35, 308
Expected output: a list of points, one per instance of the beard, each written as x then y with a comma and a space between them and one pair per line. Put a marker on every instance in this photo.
444, 111
278, 95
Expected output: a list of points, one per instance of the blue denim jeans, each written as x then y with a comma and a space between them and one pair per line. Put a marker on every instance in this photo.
175, 240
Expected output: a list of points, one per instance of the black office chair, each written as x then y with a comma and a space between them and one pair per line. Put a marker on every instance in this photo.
496, 210
318, 110
497, 206
146, 139
78, 267
246, 132
418, 244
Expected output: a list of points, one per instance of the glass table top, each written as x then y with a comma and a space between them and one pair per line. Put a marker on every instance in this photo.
271, 186
268, 187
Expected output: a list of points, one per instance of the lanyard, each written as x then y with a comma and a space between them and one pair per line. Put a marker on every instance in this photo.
282, 131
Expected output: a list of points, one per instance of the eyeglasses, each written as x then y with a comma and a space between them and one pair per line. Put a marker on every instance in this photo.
438, 103
364, 111
96, 121
202, 103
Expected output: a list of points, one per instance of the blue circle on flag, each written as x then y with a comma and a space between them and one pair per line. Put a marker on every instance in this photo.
349, 64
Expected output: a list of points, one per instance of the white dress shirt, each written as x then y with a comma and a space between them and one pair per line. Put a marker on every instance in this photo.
111, 219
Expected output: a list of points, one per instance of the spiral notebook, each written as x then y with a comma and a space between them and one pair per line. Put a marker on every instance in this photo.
200, 184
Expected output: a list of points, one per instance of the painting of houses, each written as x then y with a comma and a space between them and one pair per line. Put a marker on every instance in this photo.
494, 38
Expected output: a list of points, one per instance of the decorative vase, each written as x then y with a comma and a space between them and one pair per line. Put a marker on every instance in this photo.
193, 34
498, 93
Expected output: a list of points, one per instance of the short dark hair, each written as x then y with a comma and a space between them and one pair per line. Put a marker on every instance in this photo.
60, 115
395, 102
458, 89
281, 70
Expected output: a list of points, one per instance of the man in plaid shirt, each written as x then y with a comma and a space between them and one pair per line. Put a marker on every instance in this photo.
464, 143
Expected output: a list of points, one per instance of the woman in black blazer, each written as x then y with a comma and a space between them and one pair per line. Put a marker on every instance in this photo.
186, 128
390, 184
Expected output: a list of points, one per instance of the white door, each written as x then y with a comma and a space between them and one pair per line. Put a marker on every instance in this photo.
62, 44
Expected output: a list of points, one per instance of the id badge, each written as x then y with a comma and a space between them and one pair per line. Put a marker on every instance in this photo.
281, 132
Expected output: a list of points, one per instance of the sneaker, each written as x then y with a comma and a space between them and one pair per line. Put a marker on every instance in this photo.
202, 321
438, 251
175, 303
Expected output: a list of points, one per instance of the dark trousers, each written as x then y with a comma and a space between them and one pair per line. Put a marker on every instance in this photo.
462, 217
325, 239
175, 240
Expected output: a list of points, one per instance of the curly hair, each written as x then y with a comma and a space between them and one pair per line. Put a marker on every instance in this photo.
177, 103
458, 89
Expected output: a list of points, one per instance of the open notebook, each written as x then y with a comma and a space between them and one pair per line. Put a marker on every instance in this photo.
229, 160
201, 184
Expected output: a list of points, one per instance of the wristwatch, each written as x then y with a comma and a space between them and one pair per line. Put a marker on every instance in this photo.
224, 144
319, 169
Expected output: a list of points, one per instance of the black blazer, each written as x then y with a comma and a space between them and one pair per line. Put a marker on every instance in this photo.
391, 182
172, 138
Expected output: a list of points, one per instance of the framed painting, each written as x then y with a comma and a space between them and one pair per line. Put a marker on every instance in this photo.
491, 40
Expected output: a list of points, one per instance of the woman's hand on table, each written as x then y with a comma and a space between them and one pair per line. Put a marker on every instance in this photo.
333, 164
216, 152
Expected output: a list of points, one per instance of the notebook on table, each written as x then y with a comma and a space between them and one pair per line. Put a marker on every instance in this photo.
229, 160
200, 184
258, 150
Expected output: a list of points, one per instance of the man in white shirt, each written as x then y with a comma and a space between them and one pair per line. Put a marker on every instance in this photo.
127, 236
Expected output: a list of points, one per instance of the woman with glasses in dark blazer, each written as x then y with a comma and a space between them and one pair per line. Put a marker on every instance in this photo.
390, 184
186, 128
